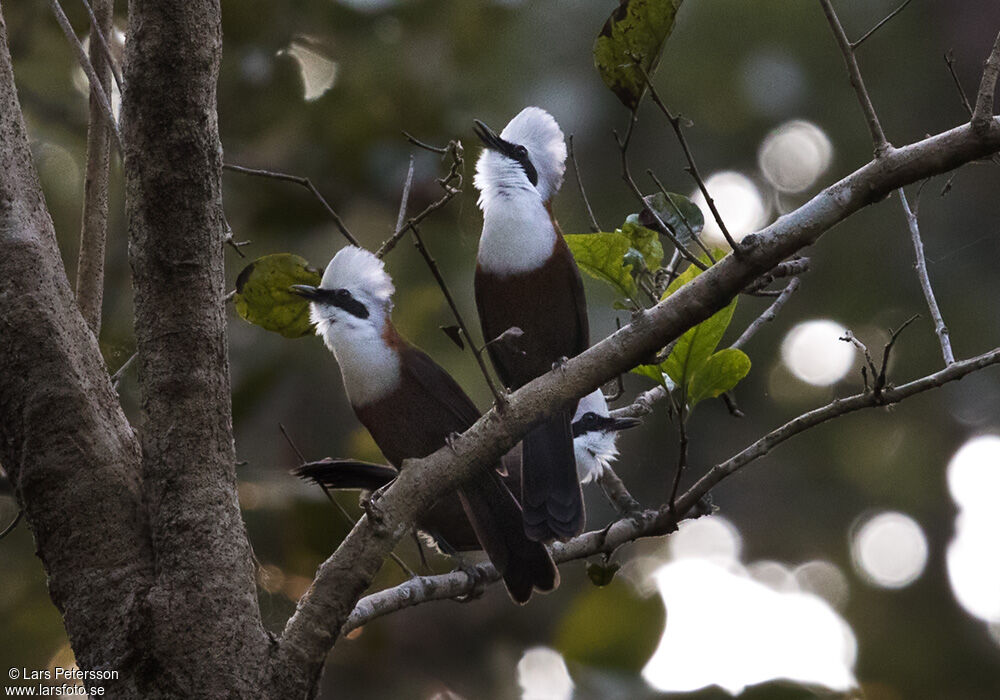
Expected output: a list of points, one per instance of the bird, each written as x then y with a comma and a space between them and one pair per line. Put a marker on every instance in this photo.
595, 436
411, 407
526, 278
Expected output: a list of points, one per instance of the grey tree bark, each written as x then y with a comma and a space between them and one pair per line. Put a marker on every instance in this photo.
64, 441
205, 628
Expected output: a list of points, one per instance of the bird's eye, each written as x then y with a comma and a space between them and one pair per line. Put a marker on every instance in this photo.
589, 418
520, 152
343, 294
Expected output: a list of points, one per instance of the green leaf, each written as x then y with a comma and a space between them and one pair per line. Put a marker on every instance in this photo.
635, 31
722, 372
611, 627
682, 216
697, 345
644, 240
654, 372
262, 295
601, 256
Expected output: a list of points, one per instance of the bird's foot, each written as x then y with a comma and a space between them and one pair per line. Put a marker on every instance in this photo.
370, 505
560, 364
451, 440
476, 577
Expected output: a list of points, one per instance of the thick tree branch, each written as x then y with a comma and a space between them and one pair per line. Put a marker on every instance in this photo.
324, 610
94, 228
425, 589
205, 629
64, 441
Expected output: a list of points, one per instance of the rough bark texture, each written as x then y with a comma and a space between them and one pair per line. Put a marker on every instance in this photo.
205, 630
64, 441
94, 227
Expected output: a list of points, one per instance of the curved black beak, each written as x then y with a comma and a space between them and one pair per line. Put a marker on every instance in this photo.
490, 138
305, 290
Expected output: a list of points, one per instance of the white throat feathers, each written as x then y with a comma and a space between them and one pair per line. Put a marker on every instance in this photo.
594, 450
353, 325
518, 235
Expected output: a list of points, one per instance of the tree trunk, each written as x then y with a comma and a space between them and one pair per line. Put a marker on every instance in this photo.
206, 632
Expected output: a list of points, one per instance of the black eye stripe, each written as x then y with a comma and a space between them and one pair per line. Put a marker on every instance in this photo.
341, 298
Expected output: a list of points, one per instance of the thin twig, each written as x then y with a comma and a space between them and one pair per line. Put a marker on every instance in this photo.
476, 351
692, 167
594, 226
880, 380
789, 268
677, 210
866, 35
302, 181
768, 314
10, 528
834, 409
983, 113
88, 69
405, 198
949, 59
116, 378
623, 144
614, 488
925, 281
94, 222
682, 456
882, 145
102, 40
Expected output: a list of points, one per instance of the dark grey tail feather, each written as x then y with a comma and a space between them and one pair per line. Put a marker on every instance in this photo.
525, 565
346, 474
550, 490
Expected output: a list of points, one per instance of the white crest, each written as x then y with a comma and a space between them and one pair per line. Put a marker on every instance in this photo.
538, 132
359, 271
593, 402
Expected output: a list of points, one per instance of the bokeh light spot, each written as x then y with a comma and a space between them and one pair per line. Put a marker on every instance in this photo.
793, 156
973, 558
889, 550
740, 205
814, 353
542, 675
318, 71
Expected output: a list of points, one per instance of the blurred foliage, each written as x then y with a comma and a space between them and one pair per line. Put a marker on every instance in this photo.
736, 70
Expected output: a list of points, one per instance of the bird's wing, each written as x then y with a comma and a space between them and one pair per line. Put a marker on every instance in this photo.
439, 384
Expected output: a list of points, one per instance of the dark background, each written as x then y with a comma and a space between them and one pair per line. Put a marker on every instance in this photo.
430, 68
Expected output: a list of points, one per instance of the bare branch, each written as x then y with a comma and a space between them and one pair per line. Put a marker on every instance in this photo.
882, 146
95, 83
623, 144
867, 35
404, 198
949, 59
452, 184
116, 378
692, 168
836, 408
304, 182
594, 226
983, 112
102, 31
768, 314
925, 281
94, 224
614, 488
